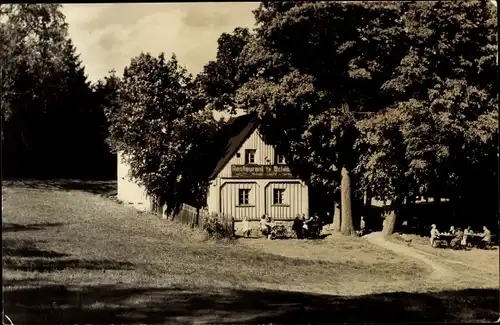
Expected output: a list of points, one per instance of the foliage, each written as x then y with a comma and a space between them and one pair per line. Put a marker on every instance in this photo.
443, 127
159, 123
218, 226
220, 78
285, 74
401, 94
52, 123
32, 44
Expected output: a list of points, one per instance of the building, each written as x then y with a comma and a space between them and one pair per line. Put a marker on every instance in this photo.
129, 192
247, 177
250, 179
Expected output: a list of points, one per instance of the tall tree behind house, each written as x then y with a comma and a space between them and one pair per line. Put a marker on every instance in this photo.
308, 71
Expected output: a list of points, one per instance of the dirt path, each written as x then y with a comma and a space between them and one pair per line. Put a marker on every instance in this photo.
440, 272
445, 269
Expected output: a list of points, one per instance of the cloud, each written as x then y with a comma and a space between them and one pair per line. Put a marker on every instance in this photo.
107, 36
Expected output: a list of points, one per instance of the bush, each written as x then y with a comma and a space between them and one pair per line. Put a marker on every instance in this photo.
218, 226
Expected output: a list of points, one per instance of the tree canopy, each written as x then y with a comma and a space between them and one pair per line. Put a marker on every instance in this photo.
437, 138
392, 92
158, 121
32, 38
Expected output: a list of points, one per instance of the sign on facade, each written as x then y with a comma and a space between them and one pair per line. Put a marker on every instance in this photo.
260, 171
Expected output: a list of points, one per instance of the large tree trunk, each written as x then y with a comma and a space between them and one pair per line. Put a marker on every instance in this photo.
389, 223
368, 201
336, 217
390, 219
346, 226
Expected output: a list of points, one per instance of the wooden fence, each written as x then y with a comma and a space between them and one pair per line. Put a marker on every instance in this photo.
187, 215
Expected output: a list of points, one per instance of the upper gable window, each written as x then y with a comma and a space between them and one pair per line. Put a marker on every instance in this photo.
249, 156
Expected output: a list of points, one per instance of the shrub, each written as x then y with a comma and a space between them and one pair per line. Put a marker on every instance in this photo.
218, 226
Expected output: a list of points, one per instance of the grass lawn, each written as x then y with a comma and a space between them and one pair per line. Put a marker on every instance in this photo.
70, 256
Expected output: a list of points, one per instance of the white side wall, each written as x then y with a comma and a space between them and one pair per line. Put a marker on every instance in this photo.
213, 196
129, 192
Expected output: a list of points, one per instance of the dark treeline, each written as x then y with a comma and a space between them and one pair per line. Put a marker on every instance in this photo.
53, 125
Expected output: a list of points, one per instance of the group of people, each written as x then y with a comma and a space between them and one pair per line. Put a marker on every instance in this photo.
306, 227
461, 237
303, 227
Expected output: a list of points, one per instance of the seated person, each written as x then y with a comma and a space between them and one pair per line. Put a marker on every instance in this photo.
459, 236
316, 222
306, 226
264, 227
270, 225
452, 230
467, 232
434, 235
245, 227
486, 237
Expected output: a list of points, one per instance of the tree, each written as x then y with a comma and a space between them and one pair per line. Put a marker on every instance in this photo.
32, 38
220, 78
49, 121
334, 59
437, 138
159, 122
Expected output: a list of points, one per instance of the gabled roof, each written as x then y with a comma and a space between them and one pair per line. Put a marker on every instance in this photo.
230, 139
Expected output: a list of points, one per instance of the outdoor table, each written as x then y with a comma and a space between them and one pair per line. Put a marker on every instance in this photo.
446, 238
474, 239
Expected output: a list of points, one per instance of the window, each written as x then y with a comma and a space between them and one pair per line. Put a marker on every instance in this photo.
249, 156
279, 196
243, 196
279, 159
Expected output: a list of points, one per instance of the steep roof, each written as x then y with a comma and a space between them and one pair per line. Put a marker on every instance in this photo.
230, 139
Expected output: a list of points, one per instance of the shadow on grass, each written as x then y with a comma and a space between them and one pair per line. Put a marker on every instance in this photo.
22, 255
113, 304
29, 252
106, 188
13, 227
50, 265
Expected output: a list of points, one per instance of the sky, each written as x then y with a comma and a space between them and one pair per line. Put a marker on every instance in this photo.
107, 36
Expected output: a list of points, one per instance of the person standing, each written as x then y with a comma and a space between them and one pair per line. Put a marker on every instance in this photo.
434, 235
362, 226
297, 226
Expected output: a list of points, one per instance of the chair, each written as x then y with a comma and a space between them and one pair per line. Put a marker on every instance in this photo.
484, 244
440, 243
